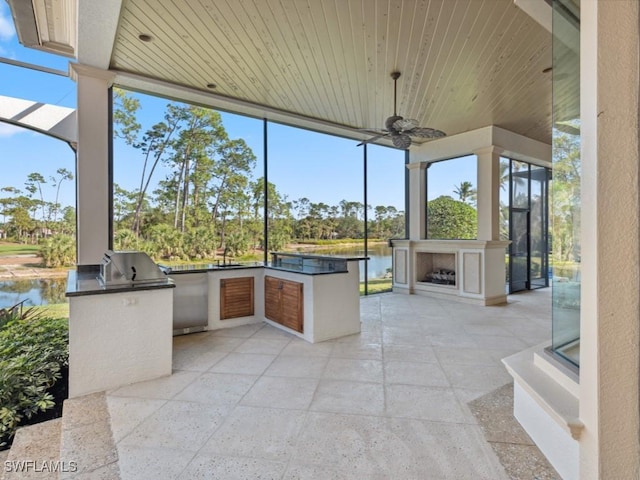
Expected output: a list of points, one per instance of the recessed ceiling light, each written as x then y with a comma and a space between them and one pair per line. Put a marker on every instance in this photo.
145, 38
211, 85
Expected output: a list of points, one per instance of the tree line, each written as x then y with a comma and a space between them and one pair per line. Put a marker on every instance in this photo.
209, 198
34, 212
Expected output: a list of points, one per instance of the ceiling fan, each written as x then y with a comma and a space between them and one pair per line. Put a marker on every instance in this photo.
399, 129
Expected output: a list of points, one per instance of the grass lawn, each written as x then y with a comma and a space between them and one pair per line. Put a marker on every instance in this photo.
56, 310
9, 249
378, 285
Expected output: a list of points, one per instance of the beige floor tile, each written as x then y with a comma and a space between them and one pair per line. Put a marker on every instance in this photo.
452, 340
265, 433
218, 388
410, 353
495, 330
243, 363
354, 369
427, 403
297, 366
480, 377
207, 466
143, 463
362, 446
269, 331
496, 341
298, 347
365, 351
182, 425
341, 396
220, 343
363, 337
243, 331
281, 392
196, 359
161, 388
465, 356
375, 405
189, 340
324, 472
404, 336
128, 412
413, 373
269, 346
90, 446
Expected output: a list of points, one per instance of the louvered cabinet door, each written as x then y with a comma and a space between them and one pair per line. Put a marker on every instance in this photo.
236, 297
272, 299
292, 305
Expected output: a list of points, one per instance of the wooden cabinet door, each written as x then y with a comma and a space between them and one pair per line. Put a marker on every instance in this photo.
292, 305
272, 299
283, 302
236, 297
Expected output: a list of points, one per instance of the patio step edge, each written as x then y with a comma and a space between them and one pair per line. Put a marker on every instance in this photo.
87, 446
35, 453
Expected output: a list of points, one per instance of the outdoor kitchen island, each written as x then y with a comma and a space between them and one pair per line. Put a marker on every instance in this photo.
315, 297
121, 334
118, 334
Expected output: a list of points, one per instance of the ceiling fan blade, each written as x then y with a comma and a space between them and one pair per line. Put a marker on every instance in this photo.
426, 132
401, 141
391, 121
404, 124
372, 139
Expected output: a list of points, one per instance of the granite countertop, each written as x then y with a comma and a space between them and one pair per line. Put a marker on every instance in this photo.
348, 258
206, 267
86, 282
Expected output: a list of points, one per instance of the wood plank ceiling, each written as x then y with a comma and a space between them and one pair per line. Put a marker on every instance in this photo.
465, 64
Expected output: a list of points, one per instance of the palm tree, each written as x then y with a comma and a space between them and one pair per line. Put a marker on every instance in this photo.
465, 191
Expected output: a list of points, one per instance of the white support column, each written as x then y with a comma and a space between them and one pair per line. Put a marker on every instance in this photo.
92, 163
418, 201
609, 313
488, 192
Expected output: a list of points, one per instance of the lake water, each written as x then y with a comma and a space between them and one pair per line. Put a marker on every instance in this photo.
39, 291
379, 258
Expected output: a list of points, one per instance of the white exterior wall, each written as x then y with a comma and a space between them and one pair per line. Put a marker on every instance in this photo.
610, 319
119, 338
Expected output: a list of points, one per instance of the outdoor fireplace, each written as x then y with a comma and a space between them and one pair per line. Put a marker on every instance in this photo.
437, 268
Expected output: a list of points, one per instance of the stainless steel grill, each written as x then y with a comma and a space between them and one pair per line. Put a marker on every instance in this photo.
129, 268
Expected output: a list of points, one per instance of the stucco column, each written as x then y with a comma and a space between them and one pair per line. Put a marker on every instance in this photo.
417, 201
488, 192
92, 163
609, 313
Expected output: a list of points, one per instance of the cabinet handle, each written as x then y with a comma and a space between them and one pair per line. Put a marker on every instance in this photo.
221, 283
279, 285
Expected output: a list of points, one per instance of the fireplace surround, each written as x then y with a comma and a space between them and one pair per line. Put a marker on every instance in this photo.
471, 270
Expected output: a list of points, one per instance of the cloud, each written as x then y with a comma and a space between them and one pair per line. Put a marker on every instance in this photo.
7, 31
8, 130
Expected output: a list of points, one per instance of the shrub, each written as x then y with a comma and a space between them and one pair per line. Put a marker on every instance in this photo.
58, 251
33, 350
451, 219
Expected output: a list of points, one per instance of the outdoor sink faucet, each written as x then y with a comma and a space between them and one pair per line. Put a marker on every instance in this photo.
224, 256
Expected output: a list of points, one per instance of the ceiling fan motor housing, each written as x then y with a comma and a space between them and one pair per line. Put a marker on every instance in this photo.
390, 121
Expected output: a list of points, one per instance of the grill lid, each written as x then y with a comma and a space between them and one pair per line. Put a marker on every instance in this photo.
129, 267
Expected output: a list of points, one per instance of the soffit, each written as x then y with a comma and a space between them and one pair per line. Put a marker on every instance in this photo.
465, 63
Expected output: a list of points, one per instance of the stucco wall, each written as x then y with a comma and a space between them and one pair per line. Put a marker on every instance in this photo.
610, 336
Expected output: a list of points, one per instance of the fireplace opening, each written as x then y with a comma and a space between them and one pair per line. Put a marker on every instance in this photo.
436, 268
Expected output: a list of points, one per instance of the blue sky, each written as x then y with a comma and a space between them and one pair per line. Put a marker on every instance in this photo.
321, 168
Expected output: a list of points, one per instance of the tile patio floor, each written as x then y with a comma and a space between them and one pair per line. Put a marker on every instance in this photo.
254, 402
